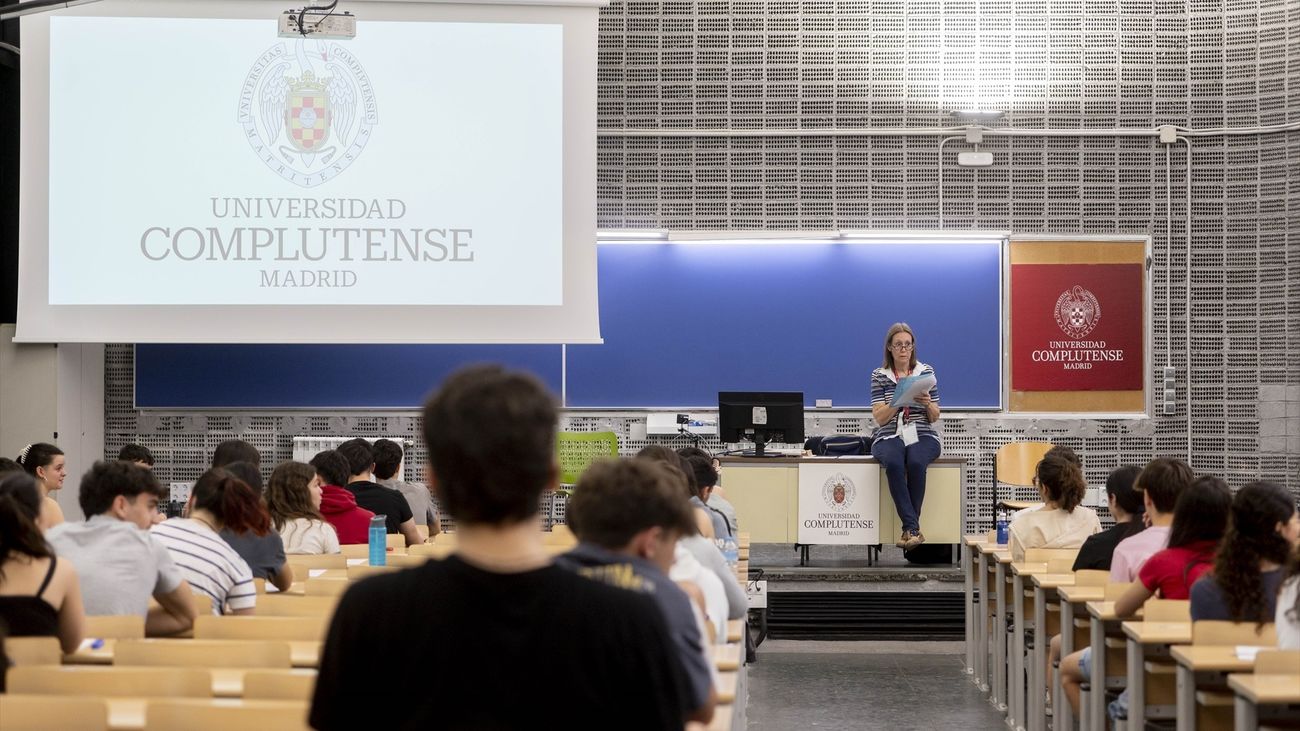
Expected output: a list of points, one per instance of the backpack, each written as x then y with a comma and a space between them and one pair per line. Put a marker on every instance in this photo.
838, 445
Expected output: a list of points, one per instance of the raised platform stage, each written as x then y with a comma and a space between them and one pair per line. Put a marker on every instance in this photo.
837, 596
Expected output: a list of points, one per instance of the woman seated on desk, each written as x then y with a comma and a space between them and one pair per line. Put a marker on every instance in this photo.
904, 440
1062, 522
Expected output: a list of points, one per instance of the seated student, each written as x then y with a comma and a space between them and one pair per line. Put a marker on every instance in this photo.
1057, 450
293, 498
687, 570
1199, 520
1263, 533
236, 450
1160, 482
337, 505
705, 478
1062, 522
39, 594
388, 460
703, 549
120, 563
372, 497
48, 465
627, 515
263, 552
718, 498
1287, 615
1126, 508
137, 455
507, 618
703, 518
218, 500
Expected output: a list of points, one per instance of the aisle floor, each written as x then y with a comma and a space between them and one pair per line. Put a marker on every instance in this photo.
865, 686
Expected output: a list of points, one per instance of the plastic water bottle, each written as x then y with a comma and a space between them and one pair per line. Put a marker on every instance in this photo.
731, 551
379, 540
1004, 528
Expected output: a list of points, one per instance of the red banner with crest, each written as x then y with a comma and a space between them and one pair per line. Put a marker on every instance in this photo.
1076, 327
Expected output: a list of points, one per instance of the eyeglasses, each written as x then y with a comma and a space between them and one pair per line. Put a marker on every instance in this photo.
901, 346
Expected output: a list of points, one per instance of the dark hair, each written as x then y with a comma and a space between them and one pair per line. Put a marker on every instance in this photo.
20, 505
695, 452
332, 467
359, 454
702, 470
249, 473
1119, 483
1162, 479
37, 455
616, 499
104, 481
1060, 450
388, 457
287, 496
232, 501
491, 439
1063, 481
135, 453
1252, 537
1201, 513
235, 450
666, 456
8, 465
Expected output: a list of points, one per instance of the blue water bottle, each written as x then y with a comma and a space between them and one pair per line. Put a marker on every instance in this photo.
379, 540
1004, 528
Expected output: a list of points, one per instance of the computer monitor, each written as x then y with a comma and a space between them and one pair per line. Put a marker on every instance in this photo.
772, 416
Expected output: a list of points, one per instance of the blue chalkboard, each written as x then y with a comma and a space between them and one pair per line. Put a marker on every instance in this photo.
680, 323
316, 376
683, 322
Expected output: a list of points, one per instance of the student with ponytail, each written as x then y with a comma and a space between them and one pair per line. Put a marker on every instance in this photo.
39, 594
46, 463
1263, 532
1062, 522
218, 500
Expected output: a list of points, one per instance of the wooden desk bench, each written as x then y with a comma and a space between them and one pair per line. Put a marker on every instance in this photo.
1204, 668
1271, 697
1150, 669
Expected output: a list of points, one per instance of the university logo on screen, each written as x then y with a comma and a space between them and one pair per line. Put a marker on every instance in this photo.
307, 109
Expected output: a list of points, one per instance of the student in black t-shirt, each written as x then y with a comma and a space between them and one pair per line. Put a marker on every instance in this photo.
495, 636
1127, 509
375, 497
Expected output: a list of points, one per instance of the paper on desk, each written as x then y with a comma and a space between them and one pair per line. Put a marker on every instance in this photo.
357, 561
313, 573
909, 388
1247, 653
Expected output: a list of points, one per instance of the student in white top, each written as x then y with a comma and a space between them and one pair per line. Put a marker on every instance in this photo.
218, 500
1062, 522
293, 498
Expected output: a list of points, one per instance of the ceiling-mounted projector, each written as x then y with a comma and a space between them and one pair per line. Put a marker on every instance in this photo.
318, 23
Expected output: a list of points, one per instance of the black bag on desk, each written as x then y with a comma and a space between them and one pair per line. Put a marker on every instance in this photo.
838, 445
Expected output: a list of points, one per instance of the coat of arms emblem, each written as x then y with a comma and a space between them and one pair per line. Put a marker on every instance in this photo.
307, 109
839, 492
1077, 312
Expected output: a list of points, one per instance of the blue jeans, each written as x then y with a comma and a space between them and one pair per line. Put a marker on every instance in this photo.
905, 471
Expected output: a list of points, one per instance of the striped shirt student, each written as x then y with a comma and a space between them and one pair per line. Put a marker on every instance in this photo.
883, 384
209, 564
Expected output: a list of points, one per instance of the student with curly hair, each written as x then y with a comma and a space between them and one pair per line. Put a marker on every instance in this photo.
1062, 522
1263, 532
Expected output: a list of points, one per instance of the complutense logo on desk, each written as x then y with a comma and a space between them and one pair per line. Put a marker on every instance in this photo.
839, 492
307, 109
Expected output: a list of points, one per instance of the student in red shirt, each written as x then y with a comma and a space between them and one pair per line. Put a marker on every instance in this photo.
337, 504
1200, 519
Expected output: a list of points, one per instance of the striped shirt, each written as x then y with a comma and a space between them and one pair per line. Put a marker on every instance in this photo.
883, 384
209, 563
